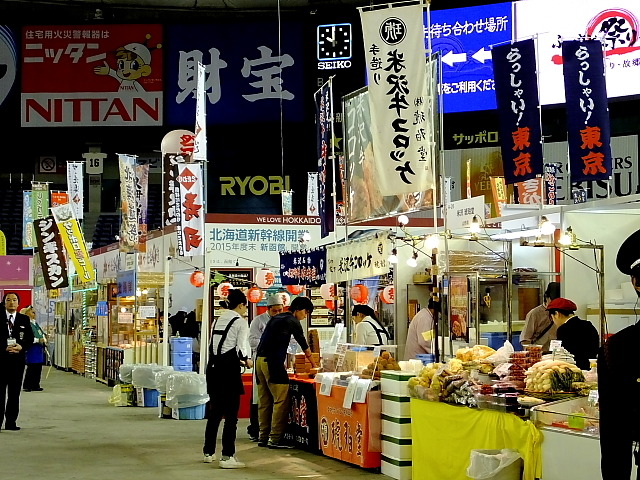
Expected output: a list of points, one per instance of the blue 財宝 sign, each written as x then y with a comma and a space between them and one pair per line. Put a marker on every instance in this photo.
245, 75
463, 37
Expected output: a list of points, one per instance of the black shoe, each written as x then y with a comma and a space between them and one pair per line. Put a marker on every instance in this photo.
275, 445
11, 427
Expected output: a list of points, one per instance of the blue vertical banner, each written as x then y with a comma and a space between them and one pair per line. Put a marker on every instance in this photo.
588, 127
516, 83
325, 180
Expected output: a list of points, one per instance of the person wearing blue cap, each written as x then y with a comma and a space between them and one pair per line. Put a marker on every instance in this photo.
619, 382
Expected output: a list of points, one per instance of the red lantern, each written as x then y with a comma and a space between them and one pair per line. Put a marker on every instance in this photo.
223, 289
265, 278
197, 278
388, 294
295, 289
327, 291
359, 293
254, 295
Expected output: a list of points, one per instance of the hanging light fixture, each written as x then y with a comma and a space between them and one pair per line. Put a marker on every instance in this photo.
413, 261
474, 227
393, 257
546, 227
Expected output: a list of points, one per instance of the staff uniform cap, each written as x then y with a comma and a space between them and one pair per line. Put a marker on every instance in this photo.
629, 254
274, 299
562, 304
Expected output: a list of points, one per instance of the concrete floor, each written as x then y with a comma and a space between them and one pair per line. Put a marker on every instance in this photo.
69, 431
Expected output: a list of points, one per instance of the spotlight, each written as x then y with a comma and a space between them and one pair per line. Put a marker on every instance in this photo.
475, 224
413, 261
393, 258
546, 227
403, 220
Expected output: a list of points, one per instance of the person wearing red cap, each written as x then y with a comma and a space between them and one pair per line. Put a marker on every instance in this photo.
619, 382
579, 337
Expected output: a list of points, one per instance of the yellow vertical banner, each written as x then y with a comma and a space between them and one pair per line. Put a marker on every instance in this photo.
73, 242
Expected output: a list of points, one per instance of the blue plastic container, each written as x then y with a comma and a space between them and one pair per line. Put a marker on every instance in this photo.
189, 413
150, 397
183, 368
182, 359
181, 344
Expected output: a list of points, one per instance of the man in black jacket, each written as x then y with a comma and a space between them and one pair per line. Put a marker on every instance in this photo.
16, 337
619, 382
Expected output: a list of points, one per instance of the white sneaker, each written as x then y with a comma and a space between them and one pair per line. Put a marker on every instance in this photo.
231, 462
208, 458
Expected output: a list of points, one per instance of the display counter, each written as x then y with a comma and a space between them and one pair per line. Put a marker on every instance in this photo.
444, 436
350, 434
302, 425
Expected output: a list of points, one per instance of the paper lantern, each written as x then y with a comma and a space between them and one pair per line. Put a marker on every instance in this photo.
265, 278
177, 141
286, 299
254, 295
197, 278
223, 289
295, 289
388, 294
327, 291
359, 293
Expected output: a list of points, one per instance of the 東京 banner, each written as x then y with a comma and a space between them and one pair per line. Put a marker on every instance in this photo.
516, 83
190, 198
588, 128
398, 99
359, 258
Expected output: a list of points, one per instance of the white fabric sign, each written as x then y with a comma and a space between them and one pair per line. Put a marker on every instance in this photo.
312, 194
398, 99
200, 141
76, 188
360, 258
191, 229
129, 223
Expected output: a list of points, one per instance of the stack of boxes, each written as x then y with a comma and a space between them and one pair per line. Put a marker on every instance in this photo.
182, 353
396, 424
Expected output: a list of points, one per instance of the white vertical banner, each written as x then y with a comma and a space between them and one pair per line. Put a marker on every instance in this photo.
191, 229
128, 194
75, 188
312, 194
398, 99
200, 141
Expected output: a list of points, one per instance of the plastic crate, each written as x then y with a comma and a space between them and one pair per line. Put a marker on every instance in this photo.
189, 413
181, 344
182, 359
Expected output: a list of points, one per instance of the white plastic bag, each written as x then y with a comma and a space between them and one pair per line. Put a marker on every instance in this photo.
502, 464
502, 354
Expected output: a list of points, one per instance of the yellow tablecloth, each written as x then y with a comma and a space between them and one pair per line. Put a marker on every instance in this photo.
444, 435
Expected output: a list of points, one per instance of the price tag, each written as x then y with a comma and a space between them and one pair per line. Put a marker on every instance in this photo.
361, 390
350, 392
326, 384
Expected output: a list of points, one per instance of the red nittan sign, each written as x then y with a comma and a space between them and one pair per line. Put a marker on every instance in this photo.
107, 75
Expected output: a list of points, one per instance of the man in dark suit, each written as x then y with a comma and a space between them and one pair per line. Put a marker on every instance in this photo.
619, 382
16, 337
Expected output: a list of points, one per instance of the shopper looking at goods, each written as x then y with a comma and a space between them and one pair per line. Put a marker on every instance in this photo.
538, 328
369, 331
36, 355
618, 374
258, 324
579, 337
272, 378
16, 337
228, 350
422, 322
